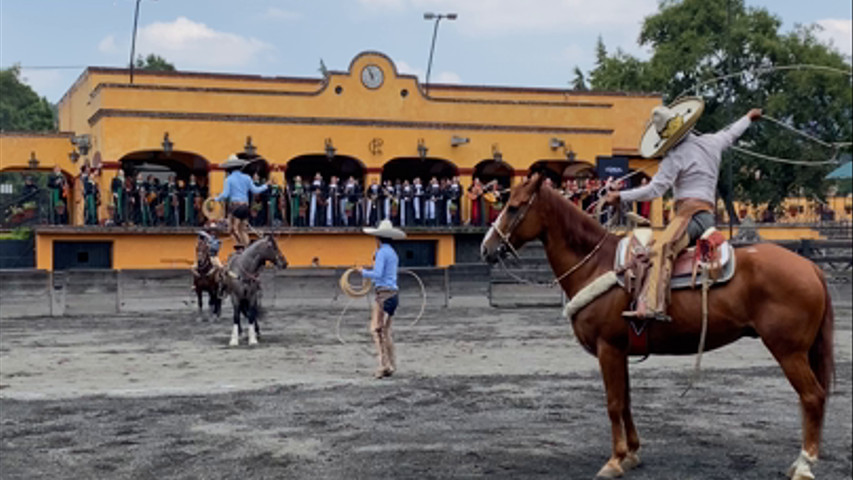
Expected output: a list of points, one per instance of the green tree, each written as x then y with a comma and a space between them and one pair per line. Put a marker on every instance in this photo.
20, 107
154, 63
694, 41
579, 81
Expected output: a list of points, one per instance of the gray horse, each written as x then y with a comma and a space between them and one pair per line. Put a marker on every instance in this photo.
241, 279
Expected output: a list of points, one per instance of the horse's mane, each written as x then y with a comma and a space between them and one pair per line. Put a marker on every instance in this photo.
581, 231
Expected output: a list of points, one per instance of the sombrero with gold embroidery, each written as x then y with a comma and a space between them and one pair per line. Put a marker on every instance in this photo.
669, 125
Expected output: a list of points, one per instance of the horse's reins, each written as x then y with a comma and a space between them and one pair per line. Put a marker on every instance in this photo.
505, 242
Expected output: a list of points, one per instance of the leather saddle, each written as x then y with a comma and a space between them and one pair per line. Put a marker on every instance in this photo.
714, 251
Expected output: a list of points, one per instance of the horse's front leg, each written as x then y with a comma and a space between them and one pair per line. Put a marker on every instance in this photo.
252, 315
613, 363
235, 330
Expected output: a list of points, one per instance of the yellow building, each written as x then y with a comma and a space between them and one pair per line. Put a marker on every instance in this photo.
368, 121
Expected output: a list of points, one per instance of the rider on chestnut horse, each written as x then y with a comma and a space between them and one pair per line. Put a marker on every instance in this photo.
690, 167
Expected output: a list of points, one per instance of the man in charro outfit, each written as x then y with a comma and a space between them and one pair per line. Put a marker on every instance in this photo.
238, 185
690, 166
384, 276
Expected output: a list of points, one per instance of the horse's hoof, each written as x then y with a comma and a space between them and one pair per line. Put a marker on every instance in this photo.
631, 461
234, 342
611, 469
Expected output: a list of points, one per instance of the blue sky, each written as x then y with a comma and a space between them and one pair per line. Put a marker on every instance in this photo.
493, 42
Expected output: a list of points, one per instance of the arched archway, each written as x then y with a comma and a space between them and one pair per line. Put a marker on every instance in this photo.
160, 164
489, 170
558, 170
341, 166
409, 168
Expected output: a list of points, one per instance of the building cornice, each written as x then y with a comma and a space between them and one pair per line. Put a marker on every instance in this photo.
339, 121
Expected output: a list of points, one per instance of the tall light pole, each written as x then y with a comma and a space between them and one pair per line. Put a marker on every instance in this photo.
437, 17
133, 39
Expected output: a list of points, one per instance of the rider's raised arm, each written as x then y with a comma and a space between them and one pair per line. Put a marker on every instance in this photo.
726, 137
661, 182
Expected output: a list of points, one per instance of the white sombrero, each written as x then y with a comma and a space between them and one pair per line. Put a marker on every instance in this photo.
668, 125
385, 230
233, 162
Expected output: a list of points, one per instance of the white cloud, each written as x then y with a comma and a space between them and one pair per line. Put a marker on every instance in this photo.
838, 32
383, 4
108, 45
435, 77
498, 17
447, 77
192, 45
275, 13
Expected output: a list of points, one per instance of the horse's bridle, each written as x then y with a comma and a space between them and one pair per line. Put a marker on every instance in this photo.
516, 221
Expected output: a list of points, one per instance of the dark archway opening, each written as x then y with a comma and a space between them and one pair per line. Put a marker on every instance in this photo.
341, 166
160, 165
409, 168
489, 170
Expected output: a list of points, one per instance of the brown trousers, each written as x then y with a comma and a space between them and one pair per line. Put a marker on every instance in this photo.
380, 329
655, 295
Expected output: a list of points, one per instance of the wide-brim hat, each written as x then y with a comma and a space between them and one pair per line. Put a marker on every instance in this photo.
385, 230
669, 125
233, 162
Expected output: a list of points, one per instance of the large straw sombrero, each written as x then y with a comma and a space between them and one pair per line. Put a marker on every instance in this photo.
669, 125
233, 162
212, 209
386, 230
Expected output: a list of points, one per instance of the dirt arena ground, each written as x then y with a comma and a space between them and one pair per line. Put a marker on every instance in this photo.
479, 393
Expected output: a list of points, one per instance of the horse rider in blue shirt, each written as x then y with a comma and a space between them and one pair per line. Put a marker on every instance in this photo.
238, 185
384, 277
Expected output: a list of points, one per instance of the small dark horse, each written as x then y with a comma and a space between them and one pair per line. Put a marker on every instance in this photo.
206, 279
775, 295
241, 279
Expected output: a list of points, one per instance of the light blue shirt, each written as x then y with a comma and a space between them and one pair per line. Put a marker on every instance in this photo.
237, 188
384, 272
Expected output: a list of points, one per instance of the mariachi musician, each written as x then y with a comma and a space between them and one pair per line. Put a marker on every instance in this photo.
373, 196
317, 187
58, 197
433, 194
333, 198
119, 199
192, 202
454, 194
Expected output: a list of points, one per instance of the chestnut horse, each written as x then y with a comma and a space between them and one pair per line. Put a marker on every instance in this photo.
206, 279
775, 295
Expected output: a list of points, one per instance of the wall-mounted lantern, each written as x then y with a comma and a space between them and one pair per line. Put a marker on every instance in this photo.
73, 156
249, 149
83, 143
556, 143
422, 149
33, 162
496, 153
456, 141
167, 144
330, 149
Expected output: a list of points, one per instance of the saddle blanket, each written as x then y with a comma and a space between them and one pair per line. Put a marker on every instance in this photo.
682, 269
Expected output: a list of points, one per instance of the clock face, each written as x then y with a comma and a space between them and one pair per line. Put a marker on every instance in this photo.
372, 76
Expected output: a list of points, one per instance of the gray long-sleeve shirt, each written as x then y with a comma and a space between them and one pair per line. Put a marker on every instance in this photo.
691, 168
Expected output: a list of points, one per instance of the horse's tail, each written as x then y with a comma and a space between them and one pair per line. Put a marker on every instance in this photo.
821, 356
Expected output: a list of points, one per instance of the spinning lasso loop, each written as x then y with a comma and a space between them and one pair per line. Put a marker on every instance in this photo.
364, 291
835, 146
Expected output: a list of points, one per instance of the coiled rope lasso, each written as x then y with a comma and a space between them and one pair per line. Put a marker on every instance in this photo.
364, 290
